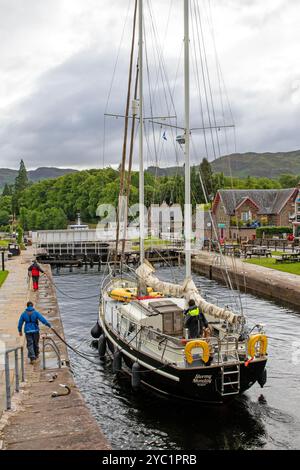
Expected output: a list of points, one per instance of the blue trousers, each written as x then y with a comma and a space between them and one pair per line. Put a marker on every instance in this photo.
32, 340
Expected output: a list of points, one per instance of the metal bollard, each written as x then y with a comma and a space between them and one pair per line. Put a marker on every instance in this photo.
17, 377
7, 382
44, 355
22, 365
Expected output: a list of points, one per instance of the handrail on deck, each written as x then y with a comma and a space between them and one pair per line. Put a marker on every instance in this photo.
169, 342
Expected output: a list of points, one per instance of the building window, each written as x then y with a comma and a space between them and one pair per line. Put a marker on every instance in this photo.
246, 216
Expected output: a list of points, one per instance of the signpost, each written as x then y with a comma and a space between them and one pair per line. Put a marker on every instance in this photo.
2, 261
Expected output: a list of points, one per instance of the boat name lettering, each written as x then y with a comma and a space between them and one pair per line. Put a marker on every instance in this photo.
202, 380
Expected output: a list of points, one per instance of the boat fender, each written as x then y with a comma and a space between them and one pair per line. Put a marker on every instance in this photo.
136, 376
262, 380
117, 362
95, 343
102, 347
191, 345
252, 343
96, 331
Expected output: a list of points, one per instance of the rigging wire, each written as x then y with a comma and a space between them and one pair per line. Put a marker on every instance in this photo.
126, 125
195, 64
226, 276
220, 77
204, 80
113, 80
161, 72
208, 77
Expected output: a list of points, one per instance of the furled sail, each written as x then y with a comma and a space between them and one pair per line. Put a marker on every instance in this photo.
146, 271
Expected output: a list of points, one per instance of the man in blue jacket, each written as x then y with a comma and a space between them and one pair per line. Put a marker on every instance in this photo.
31, 318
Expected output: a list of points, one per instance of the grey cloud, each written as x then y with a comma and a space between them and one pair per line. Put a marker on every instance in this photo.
61, 123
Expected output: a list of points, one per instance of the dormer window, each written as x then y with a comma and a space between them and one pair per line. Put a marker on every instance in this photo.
246, 216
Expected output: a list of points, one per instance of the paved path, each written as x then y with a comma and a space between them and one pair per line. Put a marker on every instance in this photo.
14, 295
38, 421
46, 423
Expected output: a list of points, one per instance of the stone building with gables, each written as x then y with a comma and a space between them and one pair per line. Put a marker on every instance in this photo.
237, 213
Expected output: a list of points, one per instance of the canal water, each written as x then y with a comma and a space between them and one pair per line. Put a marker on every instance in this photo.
260, 419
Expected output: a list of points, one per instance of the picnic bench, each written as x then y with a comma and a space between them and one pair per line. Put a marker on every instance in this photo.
288, 258
232, 250
258, 251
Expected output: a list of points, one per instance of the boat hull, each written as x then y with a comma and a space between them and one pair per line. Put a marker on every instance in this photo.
201, 384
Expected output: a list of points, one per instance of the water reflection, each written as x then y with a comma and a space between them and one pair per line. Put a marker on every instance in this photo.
143, 421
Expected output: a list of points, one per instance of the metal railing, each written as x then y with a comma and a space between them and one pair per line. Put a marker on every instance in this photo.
17, 373
47, 341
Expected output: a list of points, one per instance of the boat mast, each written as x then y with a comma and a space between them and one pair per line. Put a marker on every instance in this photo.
141, 137
188, 209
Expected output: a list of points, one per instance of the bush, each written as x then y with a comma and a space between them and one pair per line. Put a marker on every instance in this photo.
20, 235
264, 221
5, 228
235, 222
271, 232
4, 217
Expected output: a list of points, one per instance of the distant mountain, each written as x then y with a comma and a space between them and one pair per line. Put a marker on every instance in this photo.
44, 173
270, 165
170, 171
8, 176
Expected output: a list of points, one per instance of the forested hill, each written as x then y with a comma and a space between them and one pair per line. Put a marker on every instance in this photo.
8, 176
269, 165
258, 165
53, 203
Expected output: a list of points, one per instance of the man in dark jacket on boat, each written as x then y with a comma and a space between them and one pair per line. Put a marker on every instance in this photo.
195, 320
35, 270
31, 318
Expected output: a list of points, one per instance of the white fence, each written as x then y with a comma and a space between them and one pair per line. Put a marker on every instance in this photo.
64, 237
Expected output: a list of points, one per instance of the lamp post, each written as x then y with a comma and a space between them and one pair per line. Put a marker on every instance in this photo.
209, 225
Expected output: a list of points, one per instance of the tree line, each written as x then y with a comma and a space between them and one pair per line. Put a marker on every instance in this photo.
54, 203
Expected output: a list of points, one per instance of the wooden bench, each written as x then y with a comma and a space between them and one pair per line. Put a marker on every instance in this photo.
288, 258
259, 252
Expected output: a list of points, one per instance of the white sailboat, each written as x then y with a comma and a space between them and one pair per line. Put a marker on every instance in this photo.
141, 318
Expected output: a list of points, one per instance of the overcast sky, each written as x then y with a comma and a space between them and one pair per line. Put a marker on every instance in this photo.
57, 59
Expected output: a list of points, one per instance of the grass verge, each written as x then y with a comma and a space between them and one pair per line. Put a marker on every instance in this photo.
3, 276
150, 242
292, 268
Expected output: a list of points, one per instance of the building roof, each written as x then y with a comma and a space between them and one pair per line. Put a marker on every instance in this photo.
269, 201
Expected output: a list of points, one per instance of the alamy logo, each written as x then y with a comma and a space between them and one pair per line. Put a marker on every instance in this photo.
166, 222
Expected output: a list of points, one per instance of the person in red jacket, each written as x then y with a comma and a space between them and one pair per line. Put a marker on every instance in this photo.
35, 270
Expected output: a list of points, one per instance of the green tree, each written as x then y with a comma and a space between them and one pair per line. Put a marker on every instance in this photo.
4, 217
5, 203
289, 181
21, 183
207, 177
7, 190
20, 234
